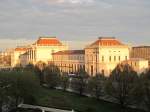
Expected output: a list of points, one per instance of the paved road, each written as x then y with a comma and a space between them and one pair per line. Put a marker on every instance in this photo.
42, 108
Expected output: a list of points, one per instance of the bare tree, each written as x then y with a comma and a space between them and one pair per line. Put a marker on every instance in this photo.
23, 86
121, 85
39, 70
79, 83
96, 84
29, 67
4, 86
17, 86
64, 81
52, 76
145, 88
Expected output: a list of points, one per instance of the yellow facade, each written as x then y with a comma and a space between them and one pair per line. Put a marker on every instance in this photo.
15, 56
141, 52
138, 64
104, 55
42, 50
5, 58
70, 61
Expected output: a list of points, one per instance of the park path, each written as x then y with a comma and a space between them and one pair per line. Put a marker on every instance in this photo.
44, 109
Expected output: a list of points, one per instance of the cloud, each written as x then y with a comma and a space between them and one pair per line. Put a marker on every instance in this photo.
75, 19
80, 1
67, 1
12, 43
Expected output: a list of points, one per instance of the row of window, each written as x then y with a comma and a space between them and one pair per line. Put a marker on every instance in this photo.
103, 58
70, 67
76, 57
114, 51
133, 64
114, 58
69, 58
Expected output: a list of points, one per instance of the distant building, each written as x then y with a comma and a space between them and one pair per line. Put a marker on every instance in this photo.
15, 56
23, 59
42, 50
70, 61
139, 65
104, 55
141, 52
5, 58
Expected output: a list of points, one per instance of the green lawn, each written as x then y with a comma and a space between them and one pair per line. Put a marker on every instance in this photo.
69, 101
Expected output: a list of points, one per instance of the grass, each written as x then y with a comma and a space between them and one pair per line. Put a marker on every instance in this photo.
69, 101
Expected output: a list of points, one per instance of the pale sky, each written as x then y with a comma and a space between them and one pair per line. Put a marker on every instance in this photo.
75, 21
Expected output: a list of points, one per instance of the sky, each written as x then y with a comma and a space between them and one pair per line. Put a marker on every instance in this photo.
76, 22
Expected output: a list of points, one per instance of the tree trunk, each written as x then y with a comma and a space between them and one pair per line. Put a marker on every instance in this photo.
122, 106
64, 88
81, 91
97, 95
17, 102
1, 105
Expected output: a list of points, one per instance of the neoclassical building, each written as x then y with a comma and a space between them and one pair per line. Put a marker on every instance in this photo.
41, 50
104, 55
70, 61
139, 65
141, 52
5, 58
15, 55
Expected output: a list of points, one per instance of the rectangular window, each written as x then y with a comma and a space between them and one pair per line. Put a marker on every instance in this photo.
114, 58
110, 58
135, 63
92, 70
126, 57
119, 58
102, 58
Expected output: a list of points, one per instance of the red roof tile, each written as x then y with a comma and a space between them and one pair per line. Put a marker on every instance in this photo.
20, 49
107, 41
48, 41
69, 52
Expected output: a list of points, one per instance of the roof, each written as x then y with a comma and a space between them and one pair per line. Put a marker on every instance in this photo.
107, 41
141, 47
21, 49
69, 52
48, 41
